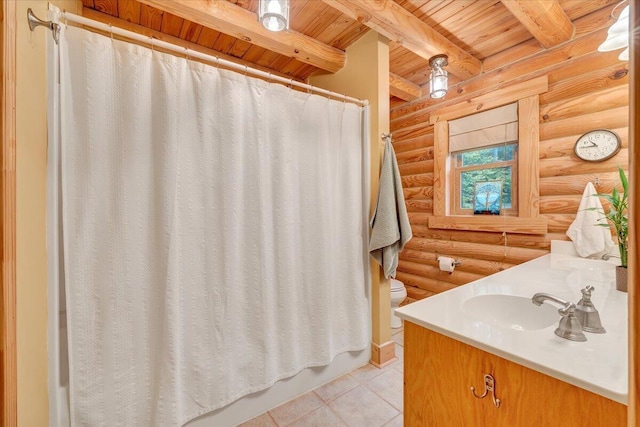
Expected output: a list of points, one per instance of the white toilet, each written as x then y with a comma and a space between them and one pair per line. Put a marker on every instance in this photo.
398, 294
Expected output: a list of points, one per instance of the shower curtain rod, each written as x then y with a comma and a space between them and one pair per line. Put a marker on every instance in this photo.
55, 28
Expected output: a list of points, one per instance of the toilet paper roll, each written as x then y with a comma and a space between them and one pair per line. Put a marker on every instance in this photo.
447, 264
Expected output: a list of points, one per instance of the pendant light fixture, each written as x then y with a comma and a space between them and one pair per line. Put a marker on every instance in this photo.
438, 80
618, 35
274, 14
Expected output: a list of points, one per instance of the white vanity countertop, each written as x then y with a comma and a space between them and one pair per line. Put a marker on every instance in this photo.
598, 365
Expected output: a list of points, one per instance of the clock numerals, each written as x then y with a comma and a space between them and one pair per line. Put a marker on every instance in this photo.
597, 145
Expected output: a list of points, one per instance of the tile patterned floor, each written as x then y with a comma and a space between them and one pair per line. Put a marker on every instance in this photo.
366, 397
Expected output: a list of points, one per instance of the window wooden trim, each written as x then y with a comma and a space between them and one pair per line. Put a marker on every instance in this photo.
528, 220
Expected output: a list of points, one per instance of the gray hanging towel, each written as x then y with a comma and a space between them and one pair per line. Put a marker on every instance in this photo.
390, 225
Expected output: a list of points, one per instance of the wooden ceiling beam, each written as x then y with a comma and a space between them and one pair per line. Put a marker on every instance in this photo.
403, 88
393, 21
126, 25
570, 58
243, 24
545, 20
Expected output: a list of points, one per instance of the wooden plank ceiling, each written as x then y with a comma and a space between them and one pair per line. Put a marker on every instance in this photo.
469, 31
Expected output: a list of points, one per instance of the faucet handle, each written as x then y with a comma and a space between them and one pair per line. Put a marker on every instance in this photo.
568, 309
569, 327
587, 313
586, 293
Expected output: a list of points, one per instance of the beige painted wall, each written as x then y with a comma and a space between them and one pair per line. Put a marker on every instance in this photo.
31, 269
366, 76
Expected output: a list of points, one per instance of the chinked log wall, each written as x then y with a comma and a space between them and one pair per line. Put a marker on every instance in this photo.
587, 90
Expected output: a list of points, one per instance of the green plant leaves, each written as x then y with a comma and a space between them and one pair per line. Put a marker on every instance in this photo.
617, 215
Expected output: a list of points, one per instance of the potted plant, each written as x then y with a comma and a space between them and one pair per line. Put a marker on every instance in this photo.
617, 216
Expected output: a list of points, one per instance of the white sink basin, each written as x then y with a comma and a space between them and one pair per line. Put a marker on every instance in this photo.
510, 311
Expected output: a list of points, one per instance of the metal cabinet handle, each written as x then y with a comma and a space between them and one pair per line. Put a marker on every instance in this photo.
489, 386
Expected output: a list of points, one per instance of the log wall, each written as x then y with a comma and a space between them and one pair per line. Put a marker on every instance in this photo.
587, 90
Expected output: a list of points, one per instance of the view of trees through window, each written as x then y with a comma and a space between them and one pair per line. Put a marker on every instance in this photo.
497, 163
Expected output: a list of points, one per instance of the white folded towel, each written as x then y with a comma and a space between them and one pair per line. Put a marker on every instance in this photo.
589, 238
391, 229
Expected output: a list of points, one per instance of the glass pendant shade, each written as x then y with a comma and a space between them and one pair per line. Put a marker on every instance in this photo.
438, 83
438, 80
614, 43
618, 34
624, 55
622, 24
274, 14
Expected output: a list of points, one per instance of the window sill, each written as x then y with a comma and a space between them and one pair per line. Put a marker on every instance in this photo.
510, 224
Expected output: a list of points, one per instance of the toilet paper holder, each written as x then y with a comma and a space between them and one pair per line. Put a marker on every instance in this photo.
456, 262
448, 264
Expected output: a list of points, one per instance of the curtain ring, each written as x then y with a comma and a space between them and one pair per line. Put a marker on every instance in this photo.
246, 70
217, 62
151, 42
186, 53
111, 32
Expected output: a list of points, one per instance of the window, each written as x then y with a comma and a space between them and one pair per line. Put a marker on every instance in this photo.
483, 151
470, 169
468, 150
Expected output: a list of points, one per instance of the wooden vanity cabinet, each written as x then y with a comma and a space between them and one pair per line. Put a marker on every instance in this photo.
439, 371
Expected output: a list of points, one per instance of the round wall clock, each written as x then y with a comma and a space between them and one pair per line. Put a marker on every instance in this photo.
597, 145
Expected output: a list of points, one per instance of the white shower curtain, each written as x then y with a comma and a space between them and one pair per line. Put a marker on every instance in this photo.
212, 228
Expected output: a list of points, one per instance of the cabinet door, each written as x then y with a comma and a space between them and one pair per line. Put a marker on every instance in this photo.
531, 398
438, 375
439, 372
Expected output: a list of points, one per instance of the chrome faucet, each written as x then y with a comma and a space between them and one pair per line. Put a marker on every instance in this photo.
587, 314
569, 327
541, 297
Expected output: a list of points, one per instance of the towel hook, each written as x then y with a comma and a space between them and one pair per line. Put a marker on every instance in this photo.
388, 136
596, 181
489, 386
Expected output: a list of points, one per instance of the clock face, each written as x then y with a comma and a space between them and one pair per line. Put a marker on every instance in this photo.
597, 145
